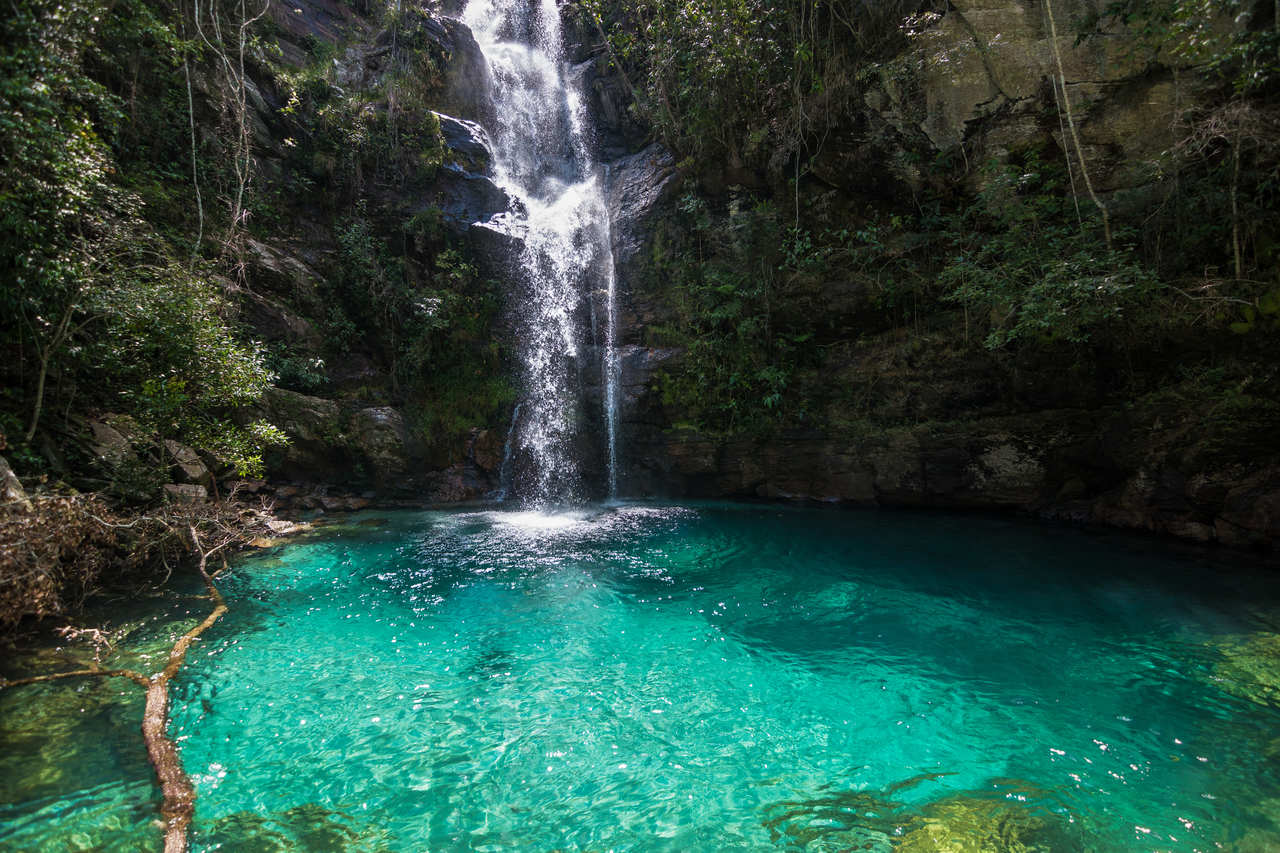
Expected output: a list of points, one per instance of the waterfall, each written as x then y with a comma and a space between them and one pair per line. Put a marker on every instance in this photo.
542, 158
504, 473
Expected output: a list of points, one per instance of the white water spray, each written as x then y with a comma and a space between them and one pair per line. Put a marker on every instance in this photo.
542, 158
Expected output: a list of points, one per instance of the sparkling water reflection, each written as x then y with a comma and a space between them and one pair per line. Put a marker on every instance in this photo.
696, 678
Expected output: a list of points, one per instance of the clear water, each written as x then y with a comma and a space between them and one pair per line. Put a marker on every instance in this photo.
686, 678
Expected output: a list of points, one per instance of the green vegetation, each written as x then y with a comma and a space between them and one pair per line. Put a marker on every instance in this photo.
1019, 257
747, 83
776, 278
741, 315
102, 307
197, 202
134, 201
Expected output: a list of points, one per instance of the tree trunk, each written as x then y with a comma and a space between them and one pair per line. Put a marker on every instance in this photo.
45, 357
1236, 248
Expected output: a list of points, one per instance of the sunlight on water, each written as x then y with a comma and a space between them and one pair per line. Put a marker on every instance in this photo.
538, 520
708, 677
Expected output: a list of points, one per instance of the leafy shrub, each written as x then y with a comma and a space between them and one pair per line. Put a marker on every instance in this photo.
1021, 258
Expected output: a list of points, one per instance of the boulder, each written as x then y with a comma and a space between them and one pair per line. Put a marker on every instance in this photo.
379, 435
301, 417
465, 198
469, 145
494, 247
273, 321
185, 493
315, 429
11, 491
111, 448
279, 270
185, 464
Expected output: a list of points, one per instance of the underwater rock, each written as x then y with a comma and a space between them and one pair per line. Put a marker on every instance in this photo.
309, 826
1250, 668
973, 824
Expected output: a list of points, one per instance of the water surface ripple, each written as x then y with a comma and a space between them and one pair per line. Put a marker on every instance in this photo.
690, 678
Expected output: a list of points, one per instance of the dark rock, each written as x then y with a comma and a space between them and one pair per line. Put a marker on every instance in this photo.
465, 198
467, 89
314, 427
487, 450
185, 493
185, 464
469, 144
634, 186
302, 21
11, 491
380, 436
111, 448
456, 483
353, 372
271, 320
280, 271
495, 249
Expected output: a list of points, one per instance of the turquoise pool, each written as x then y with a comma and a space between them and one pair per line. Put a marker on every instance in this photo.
702, 677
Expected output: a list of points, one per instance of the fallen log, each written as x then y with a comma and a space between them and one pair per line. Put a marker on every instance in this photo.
177, 791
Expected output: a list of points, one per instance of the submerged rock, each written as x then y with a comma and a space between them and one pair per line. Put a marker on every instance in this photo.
1250, 667
304, 827
973, 824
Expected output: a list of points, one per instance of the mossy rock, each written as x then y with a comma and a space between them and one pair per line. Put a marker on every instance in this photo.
310, 827
968, 824
1250, 667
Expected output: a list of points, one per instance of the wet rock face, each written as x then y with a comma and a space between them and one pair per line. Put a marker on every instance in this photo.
465, 198
467, 88
469, 145
634, 187
463, 190
1051, 464
986, 74
380, 437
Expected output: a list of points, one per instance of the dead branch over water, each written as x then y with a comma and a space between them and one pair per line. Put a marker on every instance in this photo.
178, 792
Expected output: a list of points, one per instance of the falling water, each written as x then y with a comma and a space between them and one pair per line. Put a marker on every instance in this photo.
504, 473
542, 158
